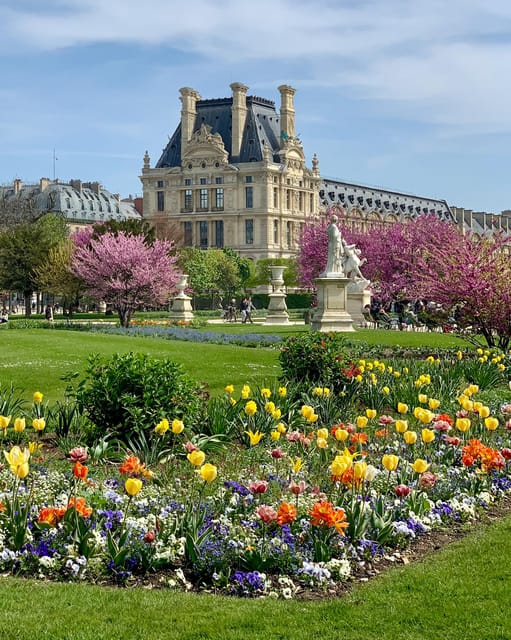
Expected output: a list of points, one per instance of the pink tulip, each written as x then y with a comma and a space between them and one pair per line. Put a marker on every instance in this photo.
266, 513
402, 490
258, 486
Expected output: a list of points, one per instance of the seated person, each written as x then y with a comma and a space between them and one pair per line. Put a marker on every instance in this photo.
4, 317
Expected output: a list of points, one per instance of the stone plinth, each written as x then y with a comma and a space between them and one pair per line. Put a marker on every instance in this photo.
182, 304
277, 308
331, 313
357, 300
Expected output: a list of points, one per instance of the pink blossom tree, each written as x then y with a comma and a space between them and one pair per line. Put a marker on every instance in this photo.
471, 279
390, 251
124, 271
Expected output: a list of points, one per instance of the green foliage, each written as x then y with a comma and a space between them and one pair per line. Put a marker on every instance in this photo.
131, 393
319, 358
262, 272
213, 272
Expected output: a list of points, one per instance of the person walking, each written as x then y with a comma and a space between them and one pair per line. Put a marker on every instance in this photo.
248, 312
48, 313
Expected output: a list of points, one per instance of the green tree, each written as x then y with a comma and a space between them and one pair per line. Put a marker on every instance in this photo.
55, 276
133, 227
262, 272
17, 209
211, 273
24, 249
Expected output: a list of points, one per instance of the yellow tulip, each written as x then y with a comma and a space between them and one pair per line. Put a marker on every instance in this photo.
484, 411
254, 437
463, 424
19, 425
402, 407
401, 426
433, 403
410, 437
397, 374
390, 461
326, 392
281, 427
34, 447
322, 433
362, 421
39, 424
423, 398
459, 355
4, 422
17, 459
177, 426
277, 414
341, 464
491, 423
196, 457
275, 435
428, 435
208, 472
162, 427
341, 435
473, 388
296, 464
371, 413
385, 391
360, 470
424, 415
38, 397
321, 443
419, 466
250, 408
133, 486
229, 389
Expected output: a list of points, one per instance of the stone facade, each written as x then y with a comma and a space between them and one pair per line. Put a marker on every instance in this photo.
233, 175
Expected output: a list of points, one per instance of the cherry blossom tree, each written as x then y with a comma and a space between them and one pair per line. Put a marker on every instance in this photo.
124, 271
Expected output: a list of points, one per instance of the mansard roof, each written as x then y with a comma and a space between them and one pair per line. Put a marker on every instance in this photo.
262, 128
382, 201
80, 202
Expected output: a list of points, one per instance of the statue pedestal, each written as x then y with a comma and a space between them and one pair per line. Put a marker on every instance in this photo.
357, 300
332, 310
277, 308
181, 305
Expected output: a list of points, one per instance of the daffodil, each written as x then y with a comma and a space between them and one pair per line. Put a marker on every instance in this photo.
250, 408
37, 397
266, 393
229, 389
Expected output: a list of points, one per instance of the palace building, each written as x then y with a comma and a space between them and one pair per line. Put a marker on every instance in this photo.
234, 174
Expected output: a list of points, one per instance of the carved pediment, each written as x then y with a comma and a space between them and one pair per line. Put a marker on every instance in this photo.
207, 145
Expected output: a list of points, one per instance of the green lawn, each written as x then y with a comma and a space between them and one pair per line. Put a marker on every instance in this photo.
38, 358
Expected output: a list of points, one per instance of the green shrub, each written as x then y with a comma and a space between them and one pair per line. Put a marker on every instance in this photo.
319, 358
130, 393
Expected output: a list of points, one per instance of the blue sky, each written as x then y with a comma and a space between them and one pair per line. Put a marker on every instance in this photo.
409, 95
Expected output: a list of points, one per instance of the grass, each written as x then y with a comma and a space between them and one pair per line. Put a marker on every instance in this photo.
37, 358
457, 594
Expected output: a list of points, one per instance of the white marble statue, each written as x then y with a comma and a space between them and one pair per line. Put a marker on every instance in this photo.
336, 256
352, 262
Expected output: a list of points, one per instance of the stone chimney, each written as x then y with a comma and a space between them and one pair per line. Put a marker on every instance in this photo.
77, 185
188, 99
287, 112
44, 183
17, 186
239, 116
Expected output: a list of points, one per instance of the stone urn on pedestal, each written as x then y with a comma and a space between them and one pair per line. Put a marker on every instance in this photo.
277, 308
182, 304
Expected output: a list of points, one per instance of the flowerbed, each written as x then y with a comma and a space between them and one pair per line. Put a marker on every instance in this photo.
291, 492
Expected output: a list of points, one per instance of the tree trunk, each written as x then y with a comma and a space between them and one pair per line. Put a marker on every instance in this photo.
28, 302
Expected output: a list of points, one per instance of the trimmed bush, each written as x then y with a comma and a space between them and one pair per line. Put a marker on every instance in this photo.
130, 393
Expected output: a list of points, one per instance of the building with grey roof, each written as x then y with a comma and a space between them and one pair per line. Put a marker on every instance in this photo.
81, 203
